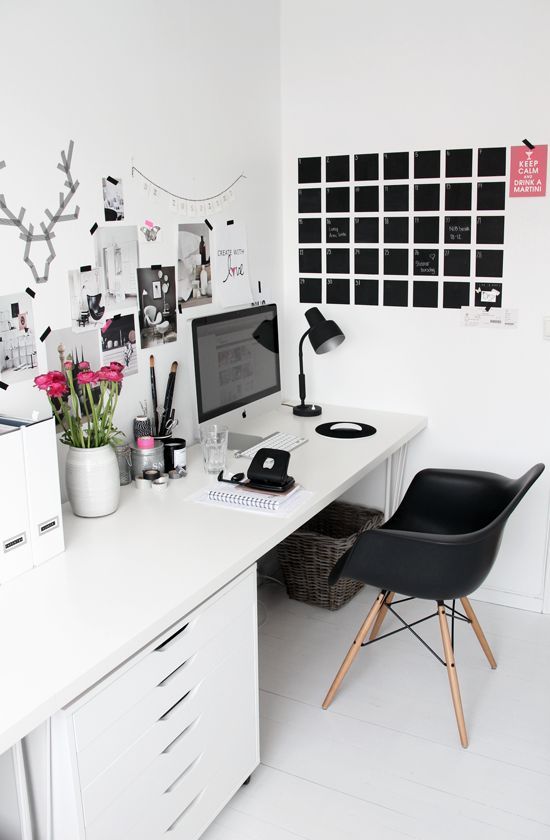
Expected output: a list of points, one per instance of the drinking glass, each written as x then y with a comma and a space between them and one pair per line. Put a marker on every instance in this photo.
214, 447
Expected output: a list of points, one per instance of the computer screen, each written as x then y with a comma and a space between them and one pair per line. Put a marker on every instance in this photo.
236, 359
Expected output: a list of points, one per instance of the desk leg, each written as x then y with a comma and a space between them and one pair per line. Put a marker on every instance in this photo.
394, 482
22, 787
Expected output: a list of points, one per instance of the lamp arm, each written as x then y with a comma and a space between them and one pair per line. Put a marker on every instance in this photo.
301, 375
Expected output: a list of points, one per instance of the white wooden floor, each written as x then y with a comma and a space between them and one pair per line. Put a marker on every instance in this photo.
385, 761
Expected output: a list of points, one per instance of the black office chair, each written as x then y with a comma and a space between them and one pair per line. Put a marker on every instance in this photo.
440, 544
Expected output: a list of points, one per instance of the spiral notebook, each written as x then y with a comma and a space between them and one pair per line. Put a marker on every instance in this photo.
245, 498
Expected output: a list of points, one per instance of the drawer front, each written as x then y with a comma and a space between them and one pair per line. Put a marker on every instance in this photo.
109, 704
224, 726
205, 682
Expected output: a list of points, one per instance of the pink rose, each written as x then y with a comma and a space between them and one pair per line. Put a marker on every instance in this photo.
84, 366
68, 365
109, 374
57, 389
57, 376
116, 366
87, 377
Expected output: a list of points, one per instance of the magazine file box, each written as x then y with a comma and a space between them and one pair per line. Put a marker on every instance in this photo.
39, 471
15, 543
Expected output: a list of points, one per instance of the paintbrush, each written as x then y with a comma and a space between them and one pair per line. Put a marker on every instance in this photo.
154, 394
168, 398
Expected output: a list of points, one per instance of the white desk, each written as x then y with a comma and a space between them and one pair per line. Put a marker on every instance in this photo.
124, 579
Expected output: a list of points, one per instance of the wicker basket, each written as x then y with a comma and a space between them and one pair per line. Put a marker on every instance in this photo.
308, 555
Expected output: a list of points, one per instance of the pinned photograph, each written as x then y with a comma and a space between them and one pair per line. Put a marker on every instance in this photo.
87, 292
158, 321
113, 199
118, 343
194, 266
150, 231
230, 262
117, 256
65, 345
17, 338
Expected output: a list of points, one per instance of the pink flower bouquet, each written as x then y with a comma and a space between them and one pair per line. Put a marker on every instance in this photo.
84, 402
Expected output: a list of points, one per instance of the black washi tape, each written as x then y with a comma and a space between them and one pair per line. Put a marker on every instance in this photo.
528, 144
45, 334
93, 228
230, 222
3, 385
180, 310
30, 292
112, 180
84, 268
156, 267
259, 286
208, 225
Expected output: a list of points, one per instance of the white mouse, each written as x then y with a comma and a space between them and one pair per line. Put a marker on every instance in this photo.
354, 427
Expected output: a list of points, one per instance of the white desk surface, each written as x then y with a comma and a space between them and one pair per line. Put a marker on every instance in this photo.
126, 578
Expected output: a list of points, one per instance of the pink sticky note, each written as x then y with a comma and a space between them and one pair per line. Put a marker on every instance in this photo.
528, 171
149, 223
106, 325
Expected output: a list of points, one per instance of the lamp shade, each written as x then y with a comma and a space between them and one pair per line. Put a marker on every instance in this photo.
324, 335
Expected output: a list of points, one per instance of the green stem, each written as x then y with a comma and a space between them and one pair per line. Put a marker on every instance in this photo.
88, 441
114, 387
95, 418
58, 416
77, 426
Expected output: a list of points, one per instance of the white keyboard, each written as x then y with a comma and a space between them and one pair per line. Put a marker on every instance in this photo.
279, 440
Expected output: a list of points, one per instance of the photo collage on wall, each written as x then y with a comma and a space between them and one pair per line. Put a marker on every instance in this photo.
421, 228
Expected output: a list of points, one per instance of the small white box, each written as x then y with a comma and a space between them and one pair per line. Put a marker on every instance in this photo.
31, 501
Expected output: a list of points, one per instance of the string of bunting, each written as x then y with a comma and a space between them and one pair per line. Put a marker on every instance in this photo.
185, 205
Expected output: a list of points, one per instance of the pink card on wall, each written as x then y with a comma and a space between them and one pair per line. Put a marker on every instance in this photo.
528, 171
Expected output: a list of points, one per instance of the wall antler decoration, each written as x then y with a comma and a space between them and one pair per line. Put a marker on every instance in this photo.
26, 232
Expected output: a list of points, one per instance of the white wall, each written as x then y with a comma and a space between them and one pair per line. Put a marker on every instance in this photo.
187, 91
190, 91
373, 77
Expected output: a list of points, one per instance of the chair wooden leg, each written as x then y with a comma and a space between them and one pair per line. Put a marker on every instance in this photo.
354, 649
476, 626
451, 671
381, 616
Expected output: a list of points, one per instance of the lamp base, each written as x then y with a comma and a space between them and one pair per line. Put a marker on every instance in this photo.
307, 410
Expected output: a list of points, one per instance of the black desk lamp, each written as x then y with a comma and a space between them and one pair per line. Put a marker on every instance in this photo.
324, 336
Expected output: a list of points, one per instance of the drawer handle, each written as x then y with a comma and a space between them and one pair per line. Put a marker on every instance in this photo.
167, 643
185, 811
165, 680
167, 714
180, 737
185, 773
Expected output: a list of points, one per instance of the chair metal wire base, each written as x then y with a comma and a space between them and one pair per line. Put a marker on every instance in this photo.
450, 612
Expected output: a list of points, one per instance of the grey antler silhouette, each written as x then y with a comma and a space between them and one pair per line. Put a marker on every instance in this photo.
26, 231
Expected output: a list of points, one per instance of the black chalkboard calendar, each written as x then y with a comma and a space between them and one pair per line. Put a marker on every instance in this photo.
422, 228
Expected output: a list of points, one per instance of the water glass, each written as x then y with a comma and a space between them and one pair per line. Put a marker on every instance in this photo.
214, 447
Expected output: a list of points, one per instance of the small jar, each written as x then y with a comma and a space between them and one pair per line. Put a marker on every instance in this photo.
174, 454
144, 459
124, 460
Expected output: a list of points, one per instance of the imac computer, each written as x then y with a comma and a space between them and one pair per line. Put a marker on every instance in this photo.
237, 374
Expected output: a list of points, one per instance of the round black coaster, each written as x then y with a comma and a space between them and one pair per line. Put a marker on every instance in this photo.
345, 429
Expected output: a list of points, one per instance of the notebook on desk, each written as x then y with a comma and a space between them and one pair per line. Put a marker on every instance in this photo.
246, 498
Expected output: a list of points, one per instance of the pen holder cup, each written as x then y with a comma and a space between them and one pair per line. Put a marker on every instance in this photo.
308, 556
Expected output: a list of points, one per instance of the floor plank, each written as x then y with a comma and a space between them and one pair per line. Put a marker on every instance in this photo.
385, 759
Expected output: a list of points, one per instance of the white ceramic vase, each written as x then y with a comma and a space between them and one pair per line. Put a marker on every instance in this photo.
93, 480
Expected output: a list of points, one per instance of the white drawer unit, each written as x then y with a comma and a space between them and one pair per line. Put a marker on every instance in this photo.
159, 747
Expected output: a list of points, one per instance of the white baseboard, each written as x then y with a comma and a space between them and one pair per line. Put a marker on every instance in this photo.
508, 599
